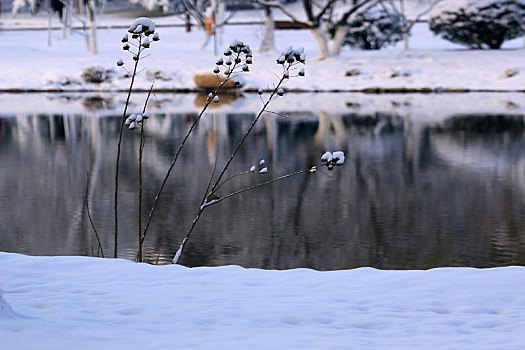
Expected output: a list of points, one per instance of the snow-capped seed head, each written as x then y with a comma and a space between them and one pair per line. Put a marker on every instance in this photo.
301, 72
145, 43
127, 122
280, 92
135, 58
125, 47
288, 51
236, 44
245, 68
145, 115
124, 38
313, 169
210, 96
290, 59
227, 52
216, 70
132, 117
281, 60
142, 25
339, 157
216, 99
327, 157
286, 74
302, 58
156, 37
120, 62
297, 53
135, 36
227, 71
132, 125
262, 162
252, 169
260, 91
238, 60
249, 60
139, 118
228, 61
219, 62
138, 29
263, 170
236, 82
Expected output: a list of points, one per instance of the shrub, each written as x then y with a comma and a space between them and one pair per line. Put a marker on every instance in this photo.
373, 29
480, 24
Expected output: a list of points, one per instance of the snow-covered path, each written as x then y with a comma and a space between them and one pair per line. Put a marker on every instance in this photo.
87, 303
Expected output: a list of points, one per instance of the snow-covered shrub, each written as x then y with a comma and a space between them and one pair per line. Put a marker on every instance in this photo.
479, 24
373, 29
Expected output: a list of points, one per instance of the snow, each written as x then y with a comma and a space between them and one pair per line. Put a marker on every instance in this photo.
431, 63
86, 303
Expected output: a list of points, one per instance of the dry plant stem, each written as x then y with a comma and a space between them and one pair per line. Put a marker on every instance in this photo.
202, 207
175, 158
241, 142
217, 183
141, 150
115, 199
91, 220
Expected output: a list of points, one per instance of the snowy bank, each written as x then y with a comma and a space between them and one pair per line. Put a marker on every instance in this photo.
87, 303
431, 65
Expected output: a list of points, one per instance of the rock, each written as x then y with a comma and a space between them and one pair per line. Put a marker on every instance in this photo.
208, 80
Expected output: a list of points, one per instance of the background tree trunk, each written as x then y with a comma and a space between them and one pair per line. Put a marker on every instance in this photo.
339, 39
322, 43
268, 42
90, 9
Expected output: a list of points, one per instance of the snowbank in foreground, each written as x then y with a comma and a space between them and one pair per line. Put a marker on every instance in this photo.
88, 303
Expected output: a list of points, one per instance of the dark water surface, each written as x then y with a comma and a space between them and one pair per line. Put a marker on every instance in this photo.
410, 195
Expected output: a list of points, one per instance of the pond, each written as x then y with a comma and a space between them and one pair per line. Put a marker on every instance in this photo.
429, 180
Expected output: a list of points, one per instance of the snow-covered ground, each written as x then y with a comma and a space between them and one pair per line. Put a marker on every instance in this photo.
88, 303
29, 63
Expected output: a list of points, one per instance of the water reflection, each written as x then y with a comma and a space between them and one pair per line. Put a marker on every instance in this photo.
411, 194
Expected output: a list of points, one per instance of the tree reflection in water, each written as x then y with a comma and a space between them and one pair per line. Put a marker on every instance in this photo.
411, 195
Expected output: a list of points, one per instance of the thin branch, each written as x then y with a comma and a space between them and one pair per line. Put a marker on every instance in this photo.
115, 199
176, 157
89, 216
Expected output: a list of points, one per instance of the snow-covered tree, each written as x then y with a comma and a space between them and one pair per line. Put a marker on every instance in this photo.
479, 24
374, 28
399, 9
322, 15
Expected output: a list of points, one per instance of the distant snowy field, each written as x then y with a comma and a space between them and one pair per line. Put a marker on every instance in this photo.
89, 303
28, 62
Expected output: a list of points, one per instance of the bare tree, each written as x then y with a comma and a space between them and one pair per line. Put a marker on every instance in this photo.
399, 8
319, 14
